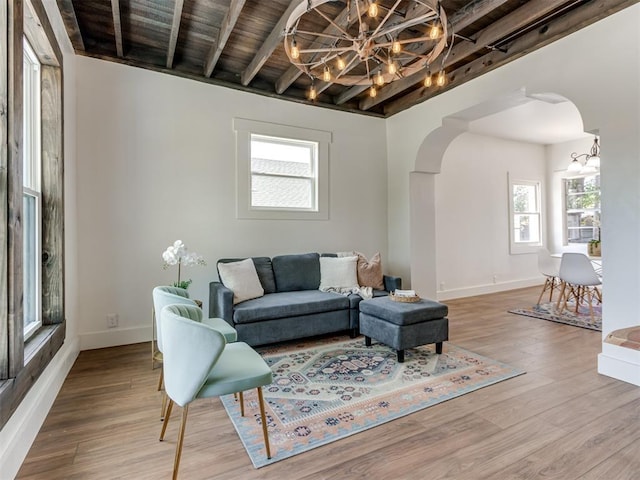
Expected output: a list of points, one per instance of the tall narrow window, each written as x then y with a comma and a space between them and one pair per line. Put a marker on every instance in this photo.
526, 216
32, 194
582, 208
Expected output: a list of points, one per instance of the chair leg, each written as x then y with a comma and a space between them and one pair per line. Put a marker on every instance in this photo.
598, 294
263, 417
166, 419
164, 396
545, 287
183, 424
562, 293
590, 298
241, 403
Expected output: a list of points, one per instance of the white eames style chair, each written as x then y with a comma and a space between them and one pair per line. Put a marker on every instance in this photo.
199, 363
551, 270
580, 282
165, 295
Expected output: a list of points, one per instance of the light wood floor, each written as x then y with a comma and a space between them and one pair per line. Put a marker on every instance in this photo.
561, 420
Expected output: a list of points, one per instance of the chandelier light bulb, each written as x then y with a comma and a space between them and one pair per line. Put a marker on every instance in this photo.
396, 47
373, 10
392, 68
326, 75
340, 62
434, 32
313, 93
442, 79
379, 79
428, 81
295, 51
372, 91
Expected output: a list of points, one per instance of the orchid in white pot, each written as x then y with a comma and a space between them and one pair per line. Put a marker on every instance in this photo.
177, 254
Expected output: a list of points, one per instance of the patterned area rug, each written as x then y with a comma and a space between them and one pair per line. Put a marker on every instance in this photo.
547, 311
330, 389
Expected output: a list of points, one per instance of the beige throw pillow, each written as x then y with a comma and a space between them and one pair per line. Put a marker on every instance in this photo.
370, 272
242, 278
338, 272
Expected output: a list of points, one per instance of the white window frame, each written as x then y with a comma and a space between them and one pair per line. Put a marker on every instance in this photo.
565, 209
244, 130
32, 160
517, 248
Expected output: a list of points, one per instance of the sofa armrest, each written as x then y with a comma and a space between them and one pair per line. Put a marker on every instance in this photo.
392, 283
220, 302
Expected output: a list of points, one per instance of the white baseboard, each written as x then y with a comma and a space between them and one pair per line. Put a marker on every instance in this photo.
114, 337
620, 363
20, 431
488, 288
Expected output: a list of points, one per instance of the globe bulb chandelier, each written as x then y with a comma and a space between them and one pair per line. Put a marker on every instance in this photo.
591, 162
370, 42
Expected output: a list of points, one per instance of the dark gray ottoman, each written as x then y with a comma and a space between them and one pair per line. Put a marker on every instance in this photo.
404, 325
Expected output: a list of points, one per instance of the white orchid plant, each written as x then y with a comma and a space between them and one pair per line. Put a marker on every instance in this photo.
177, 254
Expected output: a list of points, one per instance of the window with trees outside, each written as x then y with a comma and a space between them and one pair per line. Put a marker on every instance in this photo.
582, 208
526, 216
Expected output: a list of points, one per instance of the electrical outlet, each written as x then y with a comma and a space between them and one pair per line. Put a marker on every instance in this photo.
495, 279
112, 320
441, 286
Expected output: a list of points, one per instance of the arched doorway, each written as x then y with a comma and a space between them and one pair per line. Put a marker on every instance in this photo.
514, 117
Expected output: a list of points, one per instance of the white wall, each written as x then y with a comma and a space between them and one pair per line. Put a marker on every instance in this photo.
21, 429
472, 215
608, 104
156, 163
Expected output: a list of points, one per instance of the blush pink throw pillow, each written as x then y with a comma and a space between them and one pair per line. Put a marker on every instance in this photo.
370, 271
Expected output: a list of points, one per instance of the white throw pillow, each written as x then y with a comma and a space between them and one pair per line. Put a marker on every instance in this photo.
338, 272
242, 278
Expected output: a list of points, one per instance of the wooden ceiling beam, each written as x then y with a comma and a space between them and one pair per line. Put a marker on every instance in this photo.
229, 22
462, 18
117, 26
553, 30
71, 24
269, 45
175, 29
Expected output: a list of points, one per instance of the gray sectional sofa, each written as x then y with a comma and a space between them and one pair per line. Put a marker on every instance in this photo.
292, 306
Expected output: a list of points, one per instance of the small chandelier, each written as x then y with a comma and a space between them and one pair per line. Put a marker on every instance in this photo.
591, 160
369, 42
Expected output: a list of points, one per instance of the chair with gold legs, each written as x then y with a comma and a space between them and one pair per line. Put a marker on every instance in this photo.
165, 295
199, 363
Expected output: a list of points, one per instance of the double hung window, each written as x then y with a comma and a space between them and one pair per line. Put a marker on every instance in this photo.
282, 171
31, 191
526, 216
582, 208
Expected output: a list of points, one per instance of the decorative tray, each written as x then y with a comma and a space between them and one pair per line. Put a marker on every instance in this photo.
398, 298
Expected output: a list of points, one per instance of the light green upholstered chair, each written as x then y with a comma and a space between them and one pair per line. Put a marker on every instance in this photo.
163, 296
199, 363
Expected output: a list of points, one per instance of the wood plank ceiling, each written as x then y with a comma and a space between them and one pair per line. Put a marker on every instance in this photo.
239, 43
